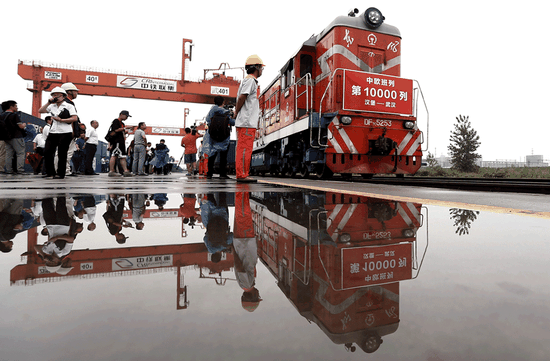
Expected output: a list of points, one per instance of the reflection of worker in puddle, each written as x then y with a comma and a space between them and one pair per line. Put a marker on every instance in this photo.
245, 250
62, 230
215, 217
113, 217
10, 222
188, 211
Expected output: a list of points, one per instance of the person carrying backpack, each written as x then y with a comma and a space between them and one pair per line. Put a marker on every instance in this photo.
219, 124
14, 134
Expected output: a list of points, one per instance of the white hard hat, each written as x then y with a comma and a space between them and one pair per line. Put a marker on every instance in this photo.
69, 86
58, 89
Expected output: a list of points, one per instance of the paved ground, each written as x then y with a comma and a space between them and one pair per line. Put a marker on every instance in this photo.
514, 203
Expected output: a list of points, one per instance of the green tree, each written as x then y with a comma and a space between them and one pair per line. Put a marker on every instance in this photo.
430, 159
464, 143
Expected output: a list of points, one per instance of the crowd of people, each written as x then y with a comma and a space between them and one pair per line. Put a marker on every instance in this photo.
65, 139
67, 147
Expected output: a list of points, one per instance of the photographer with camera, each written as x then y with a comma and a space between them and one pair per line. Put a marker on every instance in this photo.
219, 121
61, 132
189, 142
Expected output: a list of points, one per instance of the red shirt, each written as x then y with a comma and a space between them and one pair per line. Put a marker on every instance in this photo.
187, 209
190, 143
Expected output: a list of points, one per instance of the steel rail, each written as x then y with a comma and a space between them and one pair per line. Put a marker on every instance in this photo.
540, 186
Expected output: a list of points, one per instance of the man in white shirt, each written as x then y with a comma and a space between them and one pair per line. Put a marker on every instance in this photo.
61, 133
92, 141
247, 113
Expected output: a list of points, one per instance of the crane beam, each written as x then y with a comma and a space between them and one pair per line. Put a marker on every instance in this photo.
120, 84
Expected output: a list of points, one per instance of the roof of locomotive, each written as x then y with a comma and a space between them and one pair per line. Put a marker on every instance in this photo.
349, 21
357, 22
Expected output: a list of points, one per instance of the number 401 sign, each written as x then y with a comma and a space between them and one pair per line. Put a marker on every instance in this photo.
219, 90
92, 79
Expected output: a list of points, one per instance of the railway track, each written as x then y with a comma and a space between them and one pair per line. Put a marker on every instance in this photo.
540, 186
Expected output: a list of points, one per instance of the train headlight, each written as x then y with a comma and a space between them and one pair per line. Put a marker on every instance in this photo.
409, 125
374, 18
408, 233
344, 238
346, 120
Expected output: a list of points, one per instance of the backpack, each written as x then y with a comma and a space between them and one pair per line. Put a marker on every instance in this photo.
4, 131
110, 137
7, 130
77, 126
218, 229
219, 127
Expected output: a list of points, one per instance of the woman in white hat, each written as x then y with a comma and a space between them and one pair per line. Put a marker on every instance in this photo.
61, 132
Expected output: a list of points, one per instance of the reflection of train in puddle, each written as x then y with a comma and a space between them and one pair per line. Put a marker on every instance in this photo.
339, 259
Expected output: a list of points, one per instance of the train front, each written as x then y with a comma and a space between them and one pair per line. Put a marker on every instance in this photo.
368, 113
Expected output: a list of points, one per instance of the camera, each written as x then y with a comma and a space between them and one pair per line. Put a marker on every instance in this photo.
193, 129
231, 108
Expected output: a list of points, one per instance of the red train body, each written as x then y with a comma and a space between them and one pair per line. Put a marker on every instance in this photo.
340, 106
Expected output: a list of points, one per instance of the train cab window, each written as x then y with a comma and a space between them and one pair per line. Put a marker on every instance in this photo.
288, 75
306, 64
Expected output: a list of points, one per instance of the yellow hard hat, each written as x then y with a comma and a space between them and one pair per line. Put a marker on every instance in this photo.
253, 60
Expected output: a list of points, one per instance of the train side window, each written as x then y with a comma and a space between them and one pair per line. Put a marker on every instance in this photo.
306, 64
288, 75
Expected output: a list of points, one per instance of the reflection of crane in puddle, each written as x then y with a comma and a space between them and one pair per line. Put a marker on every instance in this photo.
126, 261
339, 259
132, 260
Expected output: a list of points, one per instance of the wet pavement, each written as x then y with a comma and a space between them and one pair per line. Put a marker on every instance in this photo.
176, 269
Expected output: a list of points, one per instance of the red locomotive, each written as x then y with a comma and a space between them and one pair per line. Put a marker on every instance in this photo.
339, 105
339, 259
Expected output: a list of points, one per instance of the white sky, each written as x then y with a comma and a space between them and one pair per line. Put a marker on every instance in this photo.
484, 59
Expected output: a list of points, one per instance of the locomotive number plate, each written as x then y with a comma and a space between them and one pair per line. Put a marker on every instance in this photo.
378, 93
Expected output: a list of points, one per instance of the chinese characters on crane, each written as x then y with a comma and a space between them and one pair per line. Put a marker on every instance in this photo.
146, 83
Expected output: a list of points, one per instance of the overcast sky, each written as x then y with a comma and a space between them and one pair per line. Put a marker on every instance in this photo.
484, 59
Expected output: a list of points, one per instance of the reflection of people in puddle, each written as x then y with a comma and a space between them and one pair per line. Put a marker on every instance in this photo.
160, 200
113, 217
215, 217
245, 250
62, 229
11, 222
138, 202
188, 211
88, 202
